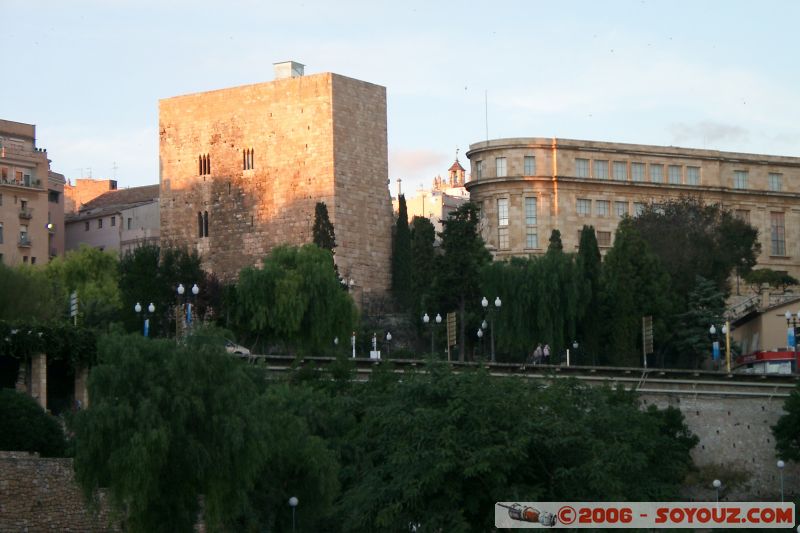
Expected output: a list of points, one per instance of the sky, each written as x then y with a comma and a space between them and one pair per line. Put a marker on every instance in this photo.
702, 74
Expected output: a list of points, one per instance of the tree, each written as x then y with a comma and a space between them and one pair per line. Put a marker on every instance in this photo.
787, 429
294, 298
25, 426
692, 239
401, 258
93, 275
634, 285
706, 306
423, 236
555, 242
324, 236
28, 293
457, 276
775, 279
169, 423
588, 265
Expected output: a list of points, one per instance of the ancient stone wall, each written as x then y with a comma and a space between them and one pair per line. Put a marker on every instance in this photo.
312, 138
38, 494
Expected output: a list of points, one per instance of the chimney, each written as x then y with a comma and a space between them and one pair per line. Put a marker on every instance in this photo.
288, 69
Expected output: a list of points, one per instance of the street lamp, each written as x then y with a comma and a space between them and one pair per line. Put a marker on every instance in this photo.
780, 465
574, 348
717, 484
480, 336
150, 310
426, 319
726, 330
293, 501
195, 291
497, 304
388, 343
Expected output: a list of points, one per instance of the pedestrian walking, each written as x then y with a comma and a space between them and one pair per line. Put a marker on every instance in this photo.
546, 354
538, 353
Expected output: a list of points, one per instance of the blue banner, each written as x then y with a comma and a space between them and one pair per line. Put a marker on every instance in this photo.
189, 314
146, 326
715, 350
790, 337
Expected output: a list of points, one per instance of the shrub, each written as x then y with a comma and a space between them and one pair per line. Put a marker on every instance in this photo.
24, 426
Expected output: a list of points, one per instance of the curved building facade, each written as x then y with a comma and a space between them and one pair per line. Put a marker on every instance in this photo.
527, 187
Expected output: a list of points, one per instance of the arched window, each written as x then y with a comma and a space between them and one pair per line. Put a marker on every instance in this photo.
200, 224
205, 223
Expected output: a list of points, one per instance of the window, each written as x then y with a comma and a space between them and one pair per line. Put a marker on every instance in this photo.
247, 159
775, 181
582, 168
33, 260
478, 169
1, 233
531, 238
637, 171
113, 221
18, 174
675, 174
742, 214
530, 165
530, 211
99, 223
200, 224
601, 169
86, 226
657, 173
502, 237
502, 211
25, 259
621, 209
602, 207
620, 170
584, 207
204, 163
52, 196
500, 167
4, 173
778, 232
205, 223
638, 208
23, 234
739, 179
603, 238
692, 175
1, 199
129, 222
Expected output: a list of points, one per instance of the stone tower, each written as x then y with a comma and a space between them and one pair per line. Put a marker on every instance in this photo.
241, 170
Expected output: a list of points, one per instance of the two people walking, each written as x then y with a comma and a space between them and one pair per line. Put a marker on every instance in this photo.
540, 355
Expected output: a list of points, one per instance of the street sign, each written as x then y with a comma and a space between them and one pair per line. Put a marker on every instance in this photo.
647, 337
451, 329
73, 304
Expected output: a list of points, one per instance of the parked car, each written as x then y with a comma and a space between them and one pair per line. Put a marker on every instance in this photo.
236, 349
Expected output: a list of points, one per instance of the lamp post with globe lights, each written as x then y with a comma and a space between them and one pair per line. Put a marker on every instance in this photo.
485, 305
480, 336
148, 312
388, 344
717, 484
780, 465
438, 320
293, 501
195, 290
726, 331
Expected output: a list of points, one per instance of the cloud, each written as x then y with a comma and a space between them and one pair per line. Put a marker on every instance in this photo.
417, 166
707, 132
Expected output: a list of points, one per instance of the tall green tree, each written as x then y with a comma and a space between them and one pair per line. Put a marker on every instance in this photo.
93, 275
634, 285
692, 238
706, 306
323, 232
294, 299
28, 293
588, 264
169, 423
457, 275
423, 236
401, 258
787, 429
555, 242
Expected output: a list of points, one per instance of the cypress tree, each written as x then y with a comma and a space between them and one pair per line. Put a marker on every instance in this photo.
555, 242
423, 235
324, 236
588, 265
401, 258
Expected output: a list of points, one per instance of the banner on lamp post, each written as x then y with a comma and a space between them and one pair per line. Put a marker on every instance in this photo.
715, 348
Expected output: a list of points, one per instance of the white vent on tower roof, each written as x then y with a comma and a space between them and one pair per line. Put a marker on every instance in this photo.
288, 69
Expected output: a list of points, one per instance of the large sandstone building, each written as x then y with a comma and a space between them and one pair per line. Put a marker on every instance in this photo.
243, 168
527, 187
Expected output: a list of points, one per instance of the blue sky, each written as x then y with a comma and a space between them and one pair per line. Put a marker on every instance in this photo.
714, 74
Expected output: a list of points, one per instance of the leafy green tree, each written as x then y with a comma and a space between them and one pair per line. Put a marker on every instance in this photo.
401, 258
93, 274
692, 239
25, 426
294, 298
423, 236
324, 236
555, 242
634, 285
773, 278
705, 307
787, 429
589, 267
169, 423
457, 274
28, 293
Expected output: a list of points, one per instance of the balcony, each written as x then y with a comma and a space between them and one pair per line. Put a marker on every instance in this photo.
24, 241
25, 212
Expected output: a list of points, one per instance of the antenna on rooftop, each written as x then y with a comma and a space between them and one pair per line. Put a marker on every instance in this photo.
114, 168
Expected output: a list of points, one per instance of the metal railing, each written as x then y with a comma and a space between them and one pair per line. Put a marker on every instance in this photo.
24, 242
